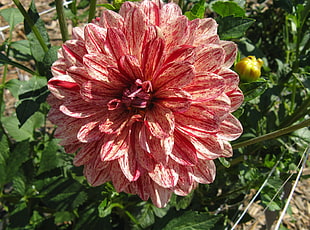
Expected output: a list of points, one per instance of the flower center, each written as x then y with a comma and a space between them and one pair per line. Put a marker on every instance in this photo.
137, 96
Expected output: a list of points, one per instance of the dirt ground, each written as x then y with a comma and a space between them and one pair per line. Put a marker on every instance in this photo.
298, 217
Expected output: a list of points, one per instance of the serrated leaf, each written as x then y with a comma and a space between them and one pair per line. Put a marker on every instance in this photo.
50, 57
147, 217
180, 202
19, 155
228, 8
192, 221
160, 212
198, 10
21, 50
252, 90
12, 16
36, 49
79, 199
61, 217
13, 86
50, 159
233, 27
26, 132
19, 186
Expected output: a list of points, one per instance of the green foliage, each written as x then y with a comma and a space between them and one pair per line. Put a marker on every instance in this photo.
40, 187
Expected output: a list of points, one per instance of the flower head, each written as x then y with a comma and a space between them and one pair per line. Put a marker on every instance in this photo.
145, 99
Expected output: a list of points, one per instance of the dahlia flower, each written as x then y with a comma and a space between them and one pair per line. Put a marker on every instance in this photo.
144, 98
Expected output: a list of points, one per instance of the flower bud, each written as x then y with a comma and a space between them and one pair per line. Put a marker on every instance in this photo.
248, 68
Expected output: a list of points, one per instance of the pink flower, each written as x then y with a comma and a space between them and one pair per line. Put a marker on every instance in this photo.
145, 99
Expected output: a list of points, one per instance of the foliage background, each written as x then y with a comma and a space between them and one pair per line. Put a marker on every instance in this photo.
41, 189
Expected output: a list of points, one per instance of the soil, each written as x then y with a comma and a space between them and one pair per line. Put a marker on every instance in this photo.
298, 217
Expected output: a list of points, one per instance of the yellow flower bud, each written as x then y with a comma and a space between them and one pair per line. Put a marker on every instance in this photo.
248, 68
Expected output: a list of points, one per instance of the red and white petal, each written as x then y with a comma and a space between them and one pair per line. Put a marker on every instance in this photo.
184, 152
129, 66
175, 99
134, 28
119, 180
205, 87
230, 129
89, 132
159, 121
152, 56
204, 172
78, 33
116, 44
236, 97
197, 122
63, 86
159, 149
94, 38
115, 146
169, 12
78, 108
173, 75
111, 19
97, 64
218, 107
185, 183
182, 53
230, 52
73, 52
228, 151
151, 11
164, 176
209, 58
231, 79
208, 148
160, 196
94, 176
87, 153
129, 166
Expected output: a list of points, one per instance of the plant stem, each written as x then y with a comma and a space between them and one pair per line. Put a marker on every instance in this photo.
62, 20
273, 135
92, 9
31, 24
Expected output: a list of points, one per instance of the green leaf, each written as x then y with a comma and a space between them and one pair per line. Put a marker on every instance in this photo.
19, 155
12, 16
31, 94
35, 47
147, 217
228, 8
108, 6
50, 57
233, 27
61, 217
50, 159
26, 132
198, 10
252, 90
19, 217
19, 186
21, 50
192, 220
224, 162
4, 155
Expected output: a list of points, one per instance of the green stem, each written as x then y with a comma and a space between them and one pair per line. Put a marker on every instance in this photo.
273, 135
92, 10
62, 20
31, 24
18, 65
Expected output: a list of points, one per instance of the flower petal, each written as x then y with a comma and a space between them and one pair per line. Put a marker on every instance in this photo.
236, 98
204, 172
151, 11
231, 79
129, 66
230, 53
164, 176
184, 151
159, 121
175, 99
196, 121
205, 87
173, 75
63, 86
208, 148
73, 52
230, 128
111, 19
116, 43
152, 56
89, 132
119, 180
185, 183
209, 58
135, 27
94, 38
159, 195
